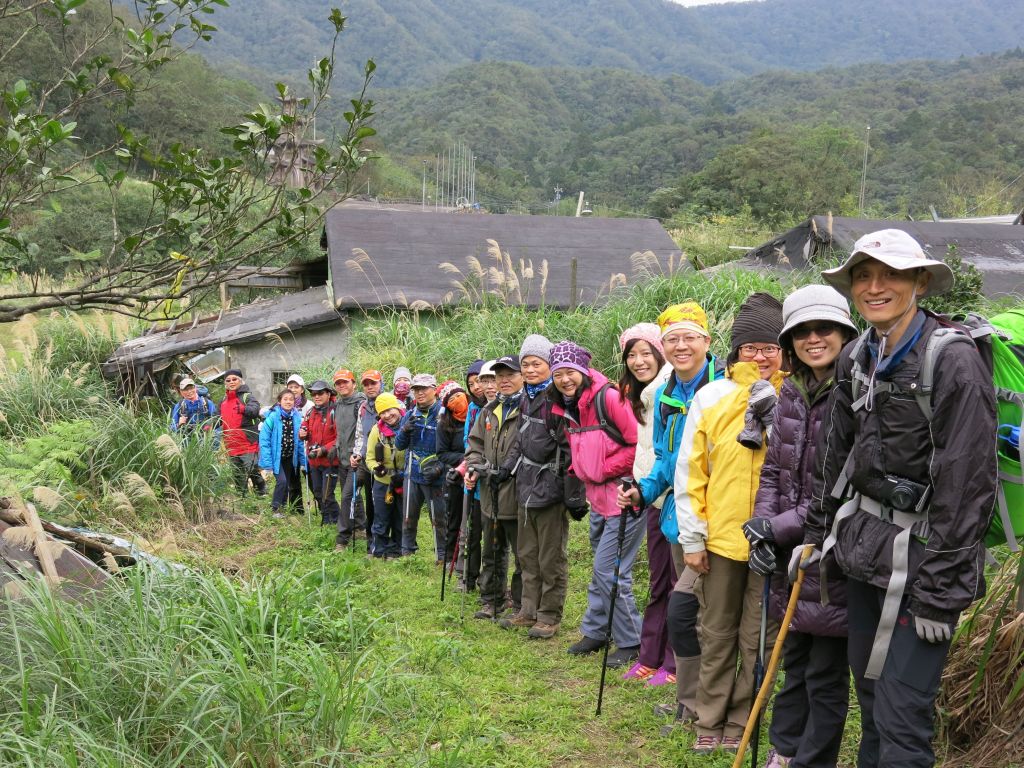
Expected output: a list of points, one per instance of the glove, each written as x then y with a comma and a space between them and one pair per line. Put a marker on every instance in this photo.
578, 513
762, 560
409, 426
795, 563
380, 470
759, 414
758, 530
501, 475
453, 476
932, 631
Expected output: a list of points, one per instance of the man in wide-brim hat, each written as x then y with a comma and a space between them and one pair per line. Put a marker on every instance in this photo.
905, 491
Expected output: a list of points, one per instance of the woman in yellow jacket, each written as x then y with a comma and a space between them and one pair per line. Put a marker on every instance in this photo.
716, 481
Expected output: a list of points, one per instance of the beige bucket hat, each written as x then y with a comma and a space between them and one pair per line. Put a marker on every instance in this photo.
898, 250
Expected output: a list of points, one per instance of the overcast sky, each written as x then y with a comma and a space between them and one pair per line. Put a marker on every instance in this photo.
706, 2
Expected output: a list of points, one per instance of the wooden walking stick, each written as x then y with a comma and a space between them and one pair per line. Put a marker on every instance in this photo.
773, 665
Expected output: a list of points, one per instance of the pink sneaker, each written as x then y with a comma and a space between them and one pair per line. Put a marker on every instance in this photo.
662, 677
775, 760
639, 672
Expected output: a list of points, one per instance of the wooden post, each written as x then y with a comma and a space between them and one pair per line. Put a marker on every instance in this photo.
572, 278
41, 545
579, 206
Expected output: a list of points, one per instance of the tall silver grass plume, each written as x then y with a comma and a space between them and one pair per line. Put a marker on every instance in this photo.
167, 449
110, 563
119, 501
137, 488
47, 497
20, 536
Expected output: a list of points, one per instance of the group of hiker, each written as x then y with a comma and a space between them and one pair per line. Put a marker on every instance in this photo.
811, 447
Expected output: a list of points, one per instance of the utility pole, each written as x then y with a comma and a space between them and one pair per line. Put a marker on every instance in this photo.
864, 168
579, 206
423, 198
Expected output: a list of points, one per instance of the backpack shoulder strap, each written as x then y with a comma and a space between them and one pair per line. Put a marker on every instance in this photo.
857, 376
940, 339
603, 421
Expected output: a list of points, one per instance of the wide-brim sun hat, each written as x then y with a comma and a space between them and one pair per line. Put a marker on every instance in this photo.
894, 248
815, 303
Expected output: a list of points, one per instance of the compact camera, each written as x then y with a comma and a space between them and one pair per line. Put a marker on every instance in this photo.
902, 494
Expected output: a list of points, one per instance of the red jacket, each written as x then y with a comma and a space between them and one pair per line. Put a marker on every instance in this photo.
239, 413
321, 430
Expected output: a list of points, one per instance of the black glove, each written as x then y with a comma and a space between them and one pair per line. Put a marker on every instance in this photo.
578, 513
380, 470
453, 476
758, 530
762, 560
409, 426
501, 475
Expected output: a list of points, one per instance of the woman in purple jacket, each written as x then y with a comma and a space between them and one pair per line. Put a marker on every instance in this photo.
810, 710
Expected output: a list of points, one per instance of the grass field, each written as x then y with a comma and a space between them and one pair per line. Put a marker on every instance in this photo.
461, 691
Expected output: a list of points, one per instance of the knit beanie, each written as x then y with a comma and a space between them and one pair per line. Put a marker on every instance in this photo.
565, 354
759, 319
233, 372
538, 346
401, 373
447, 388
688, 316
474, 368
648, 332
385, 401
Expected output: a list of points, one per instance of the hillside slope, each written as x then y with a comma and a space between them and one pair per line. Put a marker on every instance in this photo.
415, 42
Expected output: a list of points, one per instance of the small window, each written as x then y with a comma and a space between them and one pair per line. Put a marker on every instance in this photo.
279, 379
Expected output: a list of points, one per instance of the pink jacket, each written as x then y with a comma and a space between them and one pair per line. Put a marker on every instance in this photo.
597, 459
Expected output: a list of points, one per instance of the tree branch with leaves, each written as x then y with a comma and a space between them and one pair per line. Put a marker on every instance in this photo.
209, 215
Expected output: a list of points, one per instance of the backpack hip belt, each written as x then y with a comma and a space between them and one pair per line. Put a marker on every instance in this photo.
913, 525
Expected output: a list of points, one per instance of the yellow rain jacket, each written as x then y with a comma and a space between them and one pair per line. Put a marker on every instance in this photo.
719, 474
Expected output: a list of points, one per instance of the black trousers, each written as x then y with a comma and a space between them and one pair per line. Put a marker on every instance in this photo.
287, 489
366, 487
453, 496
897, 711
810, 710
323, 481
683, 611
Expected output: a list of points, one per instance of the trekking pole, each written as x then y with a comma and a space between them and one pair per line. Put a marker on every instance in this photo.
352, 506
461, 544
493, 481
619, 544
444, 563
762, 641
773, 663
307, 499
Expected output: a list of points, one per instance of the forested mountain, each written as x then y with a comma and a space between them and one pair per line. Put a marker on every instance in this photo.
940, 133
415, 42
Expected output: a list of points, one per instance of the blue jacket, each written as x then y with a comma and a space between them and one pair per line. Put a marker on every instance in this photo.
471, 414
421, 438
271, 437
202, 414
669, 419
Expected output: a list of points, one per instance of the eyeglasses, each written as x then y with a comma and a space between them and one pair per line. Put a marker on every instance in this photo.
767, 350
689, 338
821, 330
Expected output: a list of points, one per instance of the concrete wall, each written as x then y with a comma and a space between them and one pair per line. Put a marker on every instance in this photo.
306, 346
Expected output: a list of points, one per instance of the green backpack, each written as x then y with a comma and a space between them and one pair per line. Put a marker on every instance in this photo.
1000, 342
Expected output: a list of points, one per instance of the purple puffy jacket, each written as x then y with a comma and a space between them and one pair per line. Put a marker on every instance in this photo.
784, 496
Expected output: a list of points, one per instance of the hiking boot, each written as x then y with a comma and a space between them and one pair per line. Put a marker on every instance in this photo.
517, 620
620, 657
684, 717
585, 645
341, 546
487, 612
731, 744
542, 631
775, 760
705, 745
639, 672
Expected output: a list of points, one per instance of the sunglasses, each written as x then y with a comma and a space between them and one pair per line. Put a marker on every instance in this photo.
802, 332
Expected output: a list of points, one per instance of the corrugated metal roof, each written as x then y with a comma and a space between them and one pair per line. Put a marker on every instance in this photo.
996, 250
249, 322
405, 251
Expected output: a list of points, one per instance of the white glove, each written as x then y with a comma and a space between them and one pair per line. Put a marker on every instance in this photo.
795, 563
932, 631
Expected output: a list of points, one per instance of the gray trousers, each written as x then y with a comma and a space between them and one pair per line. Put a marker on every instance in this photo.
604, 534
543, 555
349, 520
